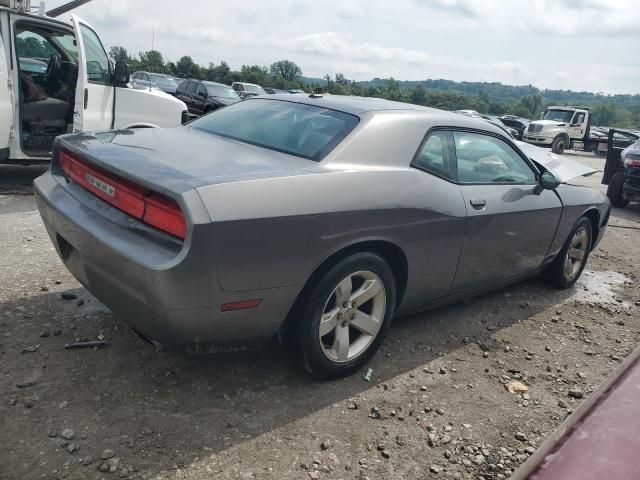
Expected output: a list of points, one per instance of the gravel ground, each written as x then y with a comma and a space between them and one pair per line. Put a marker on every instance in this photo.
436, 407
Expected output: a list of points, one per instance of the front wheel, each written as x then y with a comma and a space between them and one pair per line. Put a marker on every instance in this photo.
345, 317
559, 145
567, 267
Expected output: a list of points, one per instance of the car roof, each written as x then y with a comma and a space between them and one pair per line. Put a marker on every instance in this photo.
247, 83
206, 82
361, 105
351, 104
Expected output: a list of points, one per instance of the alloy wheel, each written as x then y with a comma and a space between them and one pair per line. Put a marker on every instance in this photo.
576, 253
352, 316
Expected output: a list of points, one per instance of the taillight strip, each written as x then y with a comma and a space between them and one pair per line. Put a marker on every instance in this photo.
152, 208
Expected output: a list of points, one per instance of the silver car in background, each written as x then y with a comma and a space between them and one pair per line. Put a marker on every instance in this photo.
314, 218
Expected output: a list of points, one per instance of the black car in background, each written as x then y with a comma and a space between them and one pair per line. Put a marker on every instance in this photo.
203, 97
520, 124
166, 83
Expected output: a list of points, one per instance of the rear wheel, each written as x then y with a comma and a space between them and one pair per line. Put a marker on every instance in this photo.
559, 145
567, 267
345, 317
615, 191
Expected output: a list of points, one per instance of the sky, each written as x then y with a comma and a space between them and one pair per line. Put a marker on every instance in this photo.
582, 45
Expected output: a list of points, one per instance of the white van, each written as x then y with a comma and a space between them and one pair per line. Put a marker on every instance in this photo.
59, 79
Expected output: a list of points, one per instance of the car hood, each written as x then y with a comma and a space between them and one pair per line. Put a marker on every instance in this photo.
562, 167
224, 100
182, 158
547, 123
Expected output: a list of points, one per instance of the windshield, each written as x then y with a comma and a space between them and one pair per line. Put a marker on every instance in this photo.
563, 116
254, 89
221, 91
163, 81
306, 131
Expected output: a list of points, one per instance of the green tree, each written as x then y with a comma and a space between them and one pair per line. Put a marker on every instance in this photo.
603, 114
418, 95
285, 69
119, 54
152, 61
533, 104
187, 68
220, 73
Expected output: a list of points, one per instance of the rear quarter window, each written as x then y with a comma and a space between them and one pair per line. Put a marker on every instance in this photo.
307, 131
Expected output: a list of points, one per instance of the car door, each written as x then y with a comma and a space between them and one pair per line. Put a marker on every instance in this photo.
94, 91
441, 231
510, 225
578, 125
6, 111
200, 99
189, 94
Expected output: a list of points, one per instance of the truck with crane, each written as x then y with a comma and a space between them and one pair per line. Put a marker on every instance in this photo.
59, 79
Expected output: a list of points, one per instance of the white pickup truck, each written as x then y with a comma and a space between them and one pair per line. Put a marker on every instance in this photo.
56, 78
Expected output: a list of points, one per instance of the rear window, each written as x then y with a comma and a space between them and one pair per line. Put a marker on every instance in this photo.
306, 131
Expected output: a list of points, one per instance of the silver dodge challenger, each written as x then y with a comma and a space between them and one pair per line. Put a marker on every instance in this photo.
316, 218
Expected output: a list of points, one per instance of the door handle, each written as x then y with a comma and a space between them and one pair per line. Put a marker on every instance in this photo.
478, 204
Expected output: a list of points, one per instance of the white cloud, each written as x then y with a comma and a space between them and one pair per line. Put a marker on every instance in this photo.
515, 42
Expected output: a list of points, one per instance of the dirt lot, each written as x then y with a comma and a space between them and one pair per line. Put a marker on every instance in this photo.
436, 406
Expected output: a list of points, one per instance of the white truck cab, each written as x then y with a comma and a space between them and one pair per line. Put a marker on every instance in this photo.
59, 80
561, 128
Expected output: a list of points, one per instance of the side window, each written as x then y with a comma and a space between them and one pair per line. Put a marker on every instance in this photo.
434, 155
191, 88
97, 62
145, 77
238, 88
578, 118
201, 90
486, 159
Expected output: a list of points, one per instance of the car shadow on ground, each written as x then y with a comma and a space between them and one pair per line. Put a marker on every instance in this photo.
158, 408
17, 179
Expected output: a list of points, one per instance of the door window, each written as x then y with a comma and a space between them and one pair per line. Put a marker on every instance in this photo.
433, 156
486, 159
97, 62
191, 88
201, 90
578, 118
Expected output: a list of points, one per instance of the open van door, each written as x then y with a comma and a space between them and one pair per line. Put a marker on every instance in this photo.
94, 92
6, 110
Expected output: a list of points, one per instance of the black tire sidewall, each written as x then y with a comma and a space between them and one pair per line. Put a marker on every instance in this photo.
313, 359
555, 146
614, 191
556, 272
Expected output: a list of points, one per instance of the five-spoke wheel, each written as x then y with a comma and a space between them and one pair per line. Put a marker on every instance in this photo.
343, 316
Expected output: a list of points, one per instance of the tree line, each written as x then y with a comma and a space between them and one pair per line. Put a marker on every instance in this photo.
494, 98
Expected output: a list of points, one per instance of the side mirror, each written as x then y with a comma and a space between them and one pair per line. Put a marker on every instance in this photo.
547, 181
121, 73
202, 94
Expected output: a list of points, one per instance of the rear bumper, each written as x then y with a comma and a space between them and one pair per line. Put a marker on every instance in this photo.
172, 297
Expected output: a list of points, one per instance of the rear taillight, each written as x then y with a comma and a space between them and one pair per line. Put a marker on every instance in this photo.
632, 160
165, 214
118, 192
152, 208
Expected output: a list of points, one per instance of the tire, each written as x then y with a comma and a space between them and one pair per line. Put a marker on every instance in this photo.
580, 239
614, 191
559, 145
315, 333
